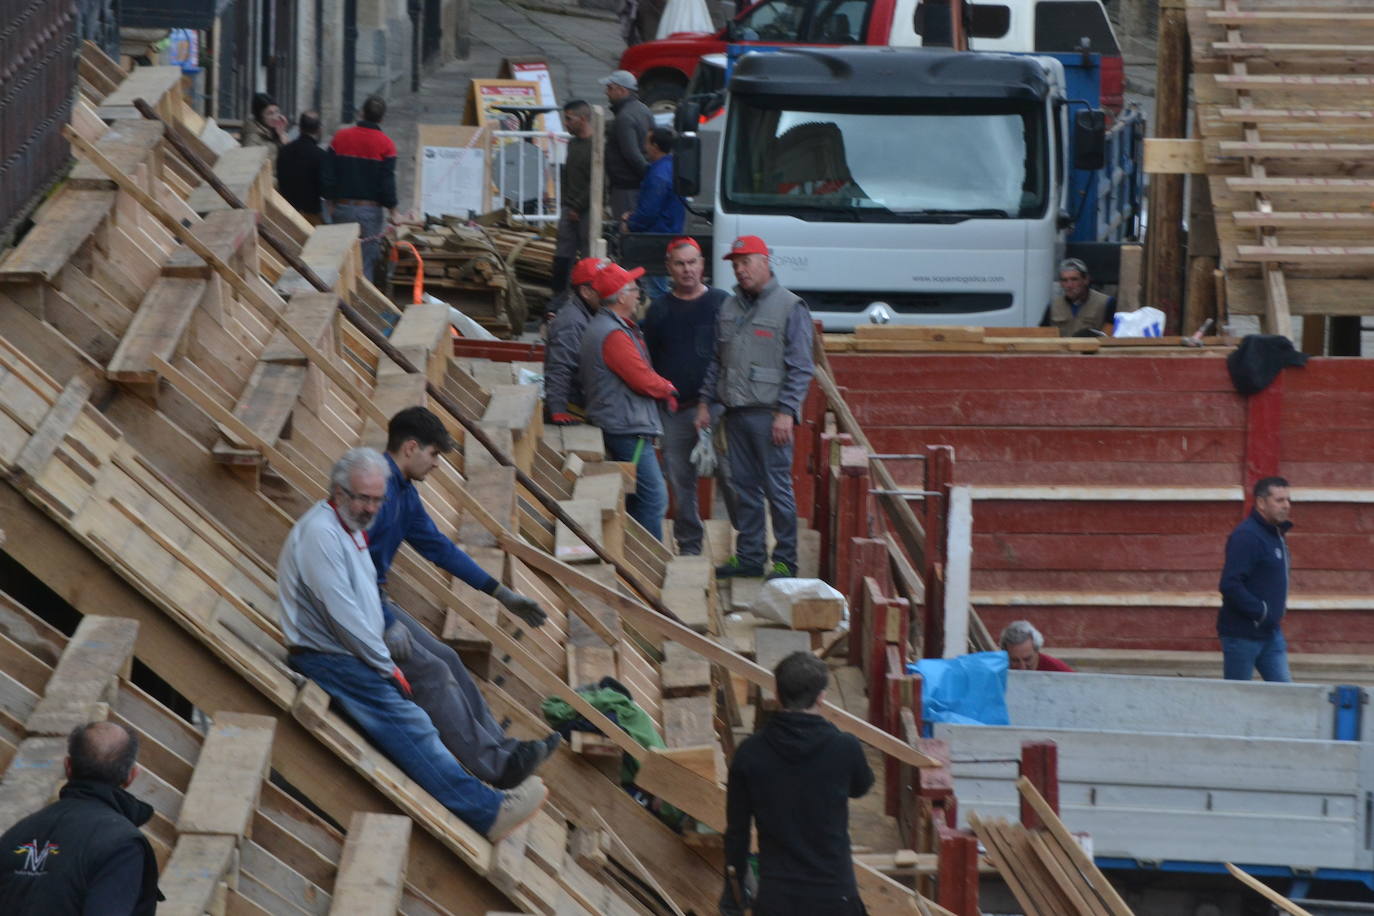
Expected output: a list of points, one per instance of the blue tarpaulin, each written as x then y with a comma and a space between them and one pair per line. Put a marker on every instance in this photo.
969, 690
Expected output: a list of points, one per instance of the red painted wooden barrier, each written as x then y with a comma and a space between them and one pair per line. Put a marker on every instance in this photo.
958, 874
1040, 764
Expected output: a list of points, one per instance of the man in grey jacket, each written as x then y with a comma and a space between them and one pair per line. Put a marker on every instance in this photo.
625, 159
760, 371
332, 623
564, 401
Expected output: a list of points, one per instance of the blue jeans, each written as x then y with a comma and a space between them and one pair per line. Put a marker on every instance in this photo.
649, 502
1241, 657
402, 732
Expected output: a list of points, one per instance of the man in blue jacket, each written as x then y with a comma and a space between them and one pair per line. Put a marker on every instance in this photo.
442, 686
1254, 589
658, 209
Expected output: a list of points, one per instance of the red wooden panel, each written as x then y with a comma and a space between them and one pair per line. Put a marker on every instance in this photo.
1082, 445
1040, 765
1086, 409
1319, 411
1108, 551
1331, 374
502, 351
1104, 473
910, 372
1108, 581
1332, 445
1330, 473
1334, 518
1092, 517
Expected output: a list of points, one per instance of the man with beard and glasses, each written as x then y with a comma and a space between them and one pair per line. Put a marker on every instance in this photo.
331, 618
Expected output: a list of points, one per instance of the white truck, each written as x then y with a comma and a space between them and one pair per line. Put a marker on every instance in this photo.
911, 186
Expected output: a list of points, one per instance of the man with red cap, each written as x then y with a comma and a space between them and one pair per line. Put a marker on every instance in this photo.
680, 333
760, 371
563, 398
622, 391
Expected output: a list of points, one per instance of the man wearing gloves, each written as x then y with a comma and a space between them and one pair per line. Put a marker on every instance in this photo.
1254, 589
332, 623
760, 372
622, 390
563, 398
442, 685
679, 332
793, 780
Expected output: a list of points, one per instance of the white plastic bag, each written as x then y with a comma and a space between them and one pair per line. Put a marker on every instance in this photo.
703, 455
1143, 322
685, 16
775, 599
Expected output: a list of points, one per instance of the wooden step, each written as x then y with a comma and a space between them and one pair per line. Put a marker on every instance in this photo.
332, 253
128, 144
231, 235
1285, 50
372, 870
689, 590
422, 336
196, 878
160, 86
1306, 254
265, 408
85, 679
225, 786
158, 329
65, 224
246, 171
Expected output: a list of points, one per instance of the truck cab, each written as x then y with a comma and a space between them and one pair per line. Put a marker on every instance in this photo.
913, 186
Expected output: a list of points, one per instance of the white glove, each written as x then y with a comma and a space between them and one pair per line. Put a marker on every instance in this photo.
703, 455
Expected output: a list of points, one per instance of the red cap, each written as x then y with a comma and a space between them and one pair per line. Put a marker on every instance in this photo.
684, 240
612, 278
585, 270
747, 244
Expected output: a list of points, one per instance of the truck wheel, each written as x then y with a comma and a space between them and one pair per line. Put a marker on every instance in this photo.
661, 95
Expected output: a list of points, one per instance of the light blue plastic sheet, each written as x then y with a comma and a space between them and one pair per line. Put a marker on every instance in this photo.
969, 690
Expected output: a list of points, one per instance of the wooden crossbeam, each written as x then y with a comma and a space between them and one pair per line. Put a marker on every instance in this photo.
373, 867
227, 780
1266, 185
1293, 115
1261, 82
1269, 50
1315, 219
1271, 150
1233, 17
86, 677
1306, 254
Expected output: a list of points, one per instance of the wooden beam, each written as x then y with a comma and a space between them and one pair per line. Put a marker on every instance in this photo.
1174, 156
38, 450
195, 879
372, 870
227, 781
85, 679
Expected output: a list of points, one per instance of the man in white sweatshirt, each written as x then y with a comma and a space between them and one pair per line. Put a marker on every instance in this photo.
331, 617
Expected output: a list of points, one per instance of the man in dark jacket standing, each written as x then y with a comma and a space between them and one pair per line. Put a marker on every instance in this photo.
573, 220
84, 853
564, 401
1254, 589
626, 163
298, 169
794, 780
359, 178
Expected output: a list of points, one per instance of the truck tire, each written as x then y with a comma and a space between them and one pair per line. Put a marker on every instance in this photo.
662, 95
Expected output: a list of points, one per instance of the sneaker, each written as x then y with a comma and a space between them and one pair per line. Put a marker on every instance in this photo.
733, 568
780, 570
520, 805
525, 759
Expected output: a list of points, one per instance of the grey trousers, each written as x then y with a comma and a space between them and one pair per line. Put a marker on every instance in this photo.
623, 200
371, 221
760, 470
572, 242
679, 438
445, 691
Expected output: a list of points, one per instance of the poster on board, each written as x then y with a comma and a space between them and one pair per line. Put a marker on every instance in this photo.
452, 171
485, 96
536, 70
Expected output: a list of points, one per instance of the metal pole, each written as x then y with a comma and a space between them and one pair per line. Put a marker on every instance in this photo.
439, 396
597, 207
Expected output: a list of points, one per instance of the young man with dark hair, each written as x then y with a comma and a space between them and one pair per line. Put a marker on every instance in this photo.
793, 780
1254, 588
359, 178
573, 241
658, 208
440, 682
298, 169
84, 853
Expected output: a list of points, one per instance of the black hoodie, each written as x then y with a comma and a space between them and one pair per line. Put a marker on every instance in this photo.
795, 779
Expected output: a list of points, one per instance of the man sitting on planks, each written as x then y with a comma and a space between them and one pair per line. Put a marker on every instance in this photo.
331, 618
794, 779
442, 685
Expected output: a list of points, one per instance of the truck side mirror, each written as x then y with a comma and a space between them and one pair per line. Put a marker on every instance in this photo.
687, 166
1089, 140
687, 117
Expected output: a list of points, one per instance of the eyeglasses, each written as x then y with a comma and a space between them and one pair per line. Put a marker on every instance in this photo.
360, 498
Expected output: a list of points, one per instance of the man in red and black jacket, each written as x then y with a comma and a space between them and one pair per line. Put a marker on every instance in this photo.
359, 178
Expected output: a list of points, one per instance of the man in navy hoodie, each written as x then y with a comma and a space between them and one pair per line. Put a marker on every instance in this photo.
1254, 589
794, 779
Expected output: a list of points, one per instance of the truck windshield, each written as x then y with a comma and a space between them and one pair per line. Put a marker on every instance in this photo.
925, 160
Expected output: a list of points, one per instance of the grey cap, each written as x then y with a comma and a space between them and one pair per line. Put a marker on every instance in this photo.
623, 78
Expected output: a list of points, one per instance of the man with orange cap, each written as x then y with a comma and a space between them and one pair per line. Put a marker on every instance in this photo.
563, 398
622, 391
760, 372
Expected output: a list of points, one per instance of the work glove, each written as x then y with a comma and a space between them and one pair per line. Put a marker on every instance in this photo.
703, 455
397, 639
402, 683
563, 419
527, 609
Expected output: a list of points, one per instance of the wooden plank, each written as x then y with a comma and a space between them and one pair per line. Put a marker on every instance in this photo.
63, 226
958, 572
225, 232
1272, 50
373, 867
1340, 186
688, 592
156, 84
195, 879
1267, 893
1274, 150
683, 672
35, 773
267, 402
332, 253
422, 335
687, 721
1172, 156
86, 677
772, 645
128, 144
568, 547
1317, 219
313, 316
227, 781
38, 449
516, 408
1350, 256
1080, 859
240, 168
157, 329
584, 441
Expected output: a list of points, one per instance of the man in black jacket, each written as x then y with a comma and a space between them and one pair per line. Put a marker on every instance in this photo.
794, 779
298, 169
626, 163
83, 854
1254, 589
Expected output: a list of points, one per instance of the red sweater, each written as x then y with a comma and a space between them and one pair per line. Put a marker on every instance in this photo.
623, 358
1050, 663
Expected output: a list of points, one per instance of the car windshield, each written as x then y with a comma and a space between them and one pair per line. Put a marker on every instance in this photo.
885, 159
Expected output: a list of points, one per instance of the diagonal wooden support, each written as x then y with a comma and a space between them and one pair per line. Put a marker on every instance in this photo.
34, 775
52, 429
228, 777
373, 868
199, 875
86, 677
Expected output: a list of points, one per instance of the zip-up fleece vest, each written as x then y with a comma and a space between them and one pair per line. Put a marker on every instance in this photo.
1091, 314
611, 404
751, 342
48, 859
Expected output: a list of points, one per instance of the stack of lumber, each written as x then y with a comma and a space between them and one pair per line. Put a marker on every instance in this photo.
1045, 868
464, 267
1283, 93
529, 249
890, 338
